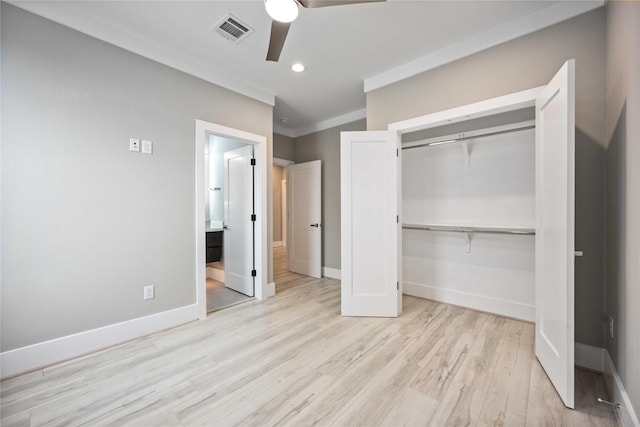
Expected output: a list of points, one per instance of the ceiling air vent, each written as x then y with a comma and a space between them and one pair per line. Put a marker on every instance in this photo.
231, 28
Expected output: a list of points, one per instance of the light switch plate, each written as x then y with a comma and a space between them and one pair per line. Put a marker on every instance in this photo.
134, 144
149, 292
147, 147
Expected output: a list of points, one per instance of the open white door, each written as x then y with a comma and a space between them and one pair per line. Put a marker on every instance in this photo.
370, 224
555, 195
305, 212
238, 226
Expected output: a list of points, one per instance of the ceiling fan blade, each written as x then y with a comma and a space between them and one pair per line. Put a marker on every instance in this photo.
279, 32
326, 3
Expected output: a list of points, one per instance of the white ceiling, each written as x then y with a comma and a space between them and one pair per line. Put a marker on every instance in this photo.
345, 48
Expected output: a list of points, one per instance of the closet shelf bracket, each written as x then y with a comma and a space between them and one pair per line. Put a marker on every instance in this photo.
467, 239
467, 146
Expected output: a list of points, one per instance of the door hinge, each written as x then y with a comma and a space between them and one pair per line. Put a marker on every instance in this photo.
254, 273
398, 286
253, 217
253, 162
397, 153
397, 219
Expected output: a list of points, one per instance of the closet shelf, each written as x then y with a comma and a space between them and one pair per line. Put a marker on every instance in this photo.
470, 229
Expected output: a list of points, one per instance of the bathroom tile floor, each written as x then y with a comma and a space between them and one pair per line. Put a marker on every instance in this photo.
219, 296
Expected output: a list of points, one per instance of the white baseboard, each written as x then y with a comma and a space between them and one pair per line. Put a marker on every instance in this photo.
332, 273
499, 306
626, 413
590, 357
215, 274
270, 290
598, 359
47, 353
277, 244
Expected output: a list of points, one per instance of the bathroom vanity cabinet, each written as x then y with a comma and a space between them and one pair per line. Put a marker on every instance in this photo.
214, 246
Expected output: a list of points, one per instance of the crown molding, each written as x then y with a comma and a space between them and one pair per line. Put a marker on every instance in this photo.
284, 131
65, 13
331, 123
511, 30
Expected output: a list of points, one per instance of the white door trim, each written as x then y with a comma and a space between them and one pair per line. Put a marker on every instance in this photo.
259, 142
282, 162
501, 104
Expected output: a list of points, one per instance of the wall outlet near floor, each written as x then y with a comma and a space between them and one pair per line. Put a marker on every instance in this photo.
611, 326
149, 292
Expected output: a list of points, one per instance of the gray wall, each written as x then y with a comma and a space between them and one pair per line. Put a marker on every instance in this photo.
278, 176
623, 191
325, 146
283, 147
524, 63
86, 223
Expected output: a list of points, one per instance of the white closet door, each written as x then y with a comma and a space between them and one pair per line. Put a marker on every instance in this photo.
555, 195
370, 230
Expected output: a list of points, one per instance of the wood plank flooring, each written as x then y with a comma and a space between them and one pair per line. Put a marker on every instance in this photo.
293, 360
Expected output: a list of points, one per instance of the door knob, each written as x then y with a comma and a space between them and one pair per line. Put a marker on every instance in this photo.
315, 225
225, 226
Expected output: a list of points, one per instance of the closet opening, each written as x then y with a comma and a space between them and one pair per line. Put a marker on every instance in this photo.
468, 213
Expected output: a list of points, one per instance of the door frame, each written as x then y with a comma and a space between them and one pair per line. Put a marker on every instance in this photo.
259, 142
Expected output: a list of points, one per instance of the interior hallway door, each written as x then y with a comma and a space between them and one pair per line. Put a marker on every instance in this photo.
238, 225
305, 212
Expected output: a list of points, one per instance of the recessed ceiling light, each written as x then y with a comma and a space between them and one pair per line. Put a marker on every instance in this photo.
297, 67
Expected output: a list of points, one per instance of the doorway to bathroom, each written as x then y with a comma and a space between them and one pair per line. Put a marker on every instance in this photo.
229, 225
231, 256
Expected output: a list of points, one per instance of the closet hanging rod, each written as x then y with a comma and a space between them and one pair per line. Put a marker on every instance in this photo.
469, 229
464, 136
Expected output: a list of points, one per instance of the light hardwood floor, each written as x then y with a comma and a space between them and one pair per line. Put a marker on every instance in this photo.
293, 360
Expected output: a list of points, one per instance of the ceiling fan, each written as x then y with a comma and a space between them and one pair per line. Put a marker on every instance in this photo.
284, 12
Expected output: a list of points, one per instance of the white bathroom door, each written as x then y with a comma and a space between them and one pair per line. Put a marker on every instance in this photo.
238, 225
305, 212
555, 217
370, 228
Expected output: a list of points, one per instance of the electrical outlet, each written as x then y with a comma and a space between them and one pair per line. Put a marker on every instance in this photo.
134, 144
149, 292
611, 326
